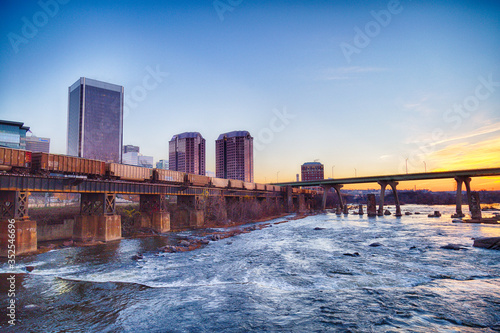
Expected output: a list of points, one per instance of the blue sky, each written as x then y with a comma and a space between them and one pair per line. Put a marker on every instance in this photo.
421, 83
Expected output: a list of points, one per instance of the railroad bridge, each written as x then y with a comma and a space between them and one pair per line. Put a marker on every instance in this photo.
98, 219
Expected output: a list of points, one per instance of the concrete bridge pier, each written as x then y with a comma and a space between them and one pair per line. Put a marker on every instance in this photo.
17, 231
98, 219
383, 185
190, 212
343, 206
460, 181
154, 214
326, 190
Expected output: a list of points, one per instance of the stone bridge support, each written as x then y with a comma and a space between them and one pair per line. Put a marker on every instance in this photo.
383, 184
302, 203
17, 231
371, 205
475, 206
288, 199
98, 219
460, 181
154, 214
190, 212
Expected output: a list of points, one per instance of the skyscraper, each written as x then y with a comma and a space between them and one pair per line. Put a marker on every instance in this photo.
234, 156
187, 153
95, 120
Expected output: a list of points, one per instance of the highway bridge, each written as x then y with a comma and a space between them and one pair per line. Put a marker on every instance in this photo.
460, 176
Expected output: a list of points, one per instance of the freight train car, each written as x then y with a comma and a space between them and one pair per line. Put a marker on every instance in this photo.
15, 160
219, 182
169, 176
248, 186
260, 187
197, 180
128, 172
273, 188
44, 163
233, 183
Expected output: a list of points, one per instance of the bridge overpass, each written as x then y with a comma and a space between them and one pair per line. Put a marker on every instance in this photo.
98, 219
460, 176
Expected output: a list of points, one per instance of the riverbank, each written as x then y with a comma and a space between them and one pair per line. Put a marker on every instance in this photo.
211, 231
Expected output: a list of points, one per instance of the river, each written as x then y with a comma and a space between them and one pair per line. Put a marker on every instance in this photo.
299, 276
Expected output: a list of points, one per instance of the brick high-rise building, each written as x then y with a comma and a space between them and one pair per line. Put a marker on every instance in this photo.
95, 120
187, 153
234, 156
312, 171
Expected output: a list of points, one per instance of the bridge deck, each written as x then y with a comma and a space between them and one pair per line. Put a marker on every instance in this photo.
32, 183
399, 177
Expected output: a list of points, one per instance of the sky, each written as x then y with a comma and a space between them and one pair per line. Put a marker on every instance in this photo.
364, 87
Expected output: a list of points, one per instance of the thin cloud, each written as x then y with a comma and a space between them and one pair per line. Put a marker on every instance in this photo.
464, 155
480, 131
384, 157
346, 73
358, 69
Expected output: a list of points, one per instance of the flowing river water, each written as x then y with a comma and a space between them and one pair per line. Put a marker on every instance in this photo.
301, 276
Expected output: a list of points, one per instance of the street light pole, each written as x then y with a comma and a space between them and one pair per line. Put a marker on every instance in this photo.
277, 173
355, 172
425, 166
406, 165
332, 170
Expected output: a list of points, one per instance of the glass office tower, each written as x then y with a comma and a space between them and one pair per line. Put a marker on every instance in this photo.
13, 134
95, 120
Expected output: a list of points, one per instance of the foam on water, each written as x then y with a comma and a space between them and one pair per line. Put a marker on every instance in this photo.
286, 277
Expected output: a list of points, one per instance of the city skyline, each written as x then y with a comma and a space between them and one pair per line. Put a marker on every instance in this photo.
377, 88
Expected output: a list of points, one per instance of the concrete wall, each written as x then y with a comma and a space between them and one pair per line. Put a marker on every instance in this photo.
55, 231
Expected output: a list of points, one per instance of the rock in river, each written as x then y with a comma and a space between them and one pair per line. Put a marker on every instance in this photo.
491, 243
455, 247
